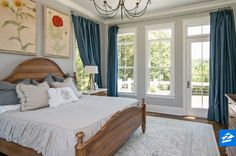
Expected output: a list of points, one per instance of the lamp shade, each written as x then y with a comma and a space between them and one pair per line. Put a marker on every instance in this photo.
91, 69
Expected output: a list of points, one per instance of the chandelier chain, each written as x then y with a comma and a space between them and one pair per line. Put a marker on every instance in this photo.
110, 12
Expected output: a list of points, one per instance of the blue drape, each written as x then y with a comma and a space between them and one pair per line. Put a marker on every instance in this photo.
88, 39
222, 64
112, 61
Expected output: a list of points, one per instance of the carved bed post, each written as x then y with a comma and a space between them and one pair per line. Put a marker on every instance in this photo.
144, 115
80, 147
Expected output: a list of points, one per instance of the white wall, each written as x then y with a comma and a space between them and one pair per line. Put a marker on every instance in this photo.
175, 105
9, 61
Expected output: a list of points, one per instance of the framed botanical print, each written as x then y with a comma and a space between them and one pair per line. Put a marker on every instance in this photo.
18, 26
57, 33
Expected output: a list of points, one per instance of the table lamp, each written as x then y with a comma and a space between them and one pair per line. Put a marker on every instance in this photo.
91, 70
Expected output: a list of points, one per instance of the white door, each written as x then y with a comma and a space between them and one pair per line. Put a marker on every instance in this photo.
197, 67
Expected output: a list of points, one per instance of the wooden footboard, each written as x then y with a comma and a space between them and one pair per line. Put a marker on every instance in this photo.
105, 143
114, 133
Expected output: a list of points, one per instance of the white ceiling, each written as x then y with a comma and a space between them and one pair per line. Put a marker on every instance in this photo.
156, 5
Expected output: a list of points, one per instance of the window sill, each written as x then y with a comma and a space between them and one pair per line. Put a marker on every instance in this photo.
127, 94
161, 96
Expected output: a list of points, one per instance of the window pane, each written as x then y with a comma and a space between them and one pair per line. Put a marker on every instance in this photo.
196, 30
121, 38
165, 74
157, 34
121, 74
164, 54
154, 54
80, 73
125, 81
154, 73
121, 55
130, 37
129, 55
165, 81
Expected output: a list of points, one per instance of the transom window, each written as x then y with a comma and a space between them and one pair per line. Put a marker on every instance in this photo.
198, 30
126, 60
160, 59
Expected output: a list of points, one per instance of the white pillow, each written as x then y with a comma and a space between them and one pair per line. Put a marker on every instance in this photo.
58, 96
67, 83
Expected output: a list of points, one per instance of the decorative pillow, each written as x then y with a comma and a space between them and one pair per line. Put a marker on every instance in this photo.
8, 94
49, 78
58, 96
67, 83
33, 97
34, 82
58, 78
25, 81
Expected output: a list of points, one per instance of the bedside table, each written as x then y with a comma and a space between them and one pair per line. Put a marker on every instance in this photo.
99, 92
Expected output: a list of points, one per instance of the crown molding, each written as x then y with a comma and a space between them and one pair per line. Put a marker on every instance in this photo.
206, 6
191, 8
74, 6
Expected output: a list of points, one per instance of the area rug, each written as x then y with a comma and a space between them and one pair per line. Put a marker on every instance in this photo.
169, 137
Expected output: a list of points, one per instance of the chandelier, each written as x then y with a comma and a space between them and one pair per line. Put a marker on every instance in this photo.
105, 8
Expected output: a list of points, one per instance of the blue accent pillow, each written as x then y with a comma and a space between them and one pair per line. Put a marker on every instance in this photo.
50, 78
8, 94
58, 78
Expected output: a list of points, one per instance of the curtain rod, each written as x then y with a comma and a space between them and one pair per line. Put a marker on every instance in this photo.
221, 9
179, 15
84, 16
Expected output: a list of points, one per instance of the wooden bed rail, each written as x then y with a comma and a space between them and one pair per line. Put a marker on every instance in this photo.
103, 143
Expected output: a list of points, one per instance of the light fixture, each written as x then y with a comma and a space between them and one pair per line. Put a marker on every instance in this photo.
106, 9
91, 70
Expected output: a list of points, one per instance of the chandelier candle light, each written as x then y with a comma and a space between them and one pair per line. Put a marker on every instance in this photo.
106, 9
91, 70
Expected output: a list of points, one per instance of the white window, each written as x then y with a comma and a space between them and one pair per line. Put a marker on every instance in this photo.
198, 30
196, 27
127, 60
160, 60
82, 77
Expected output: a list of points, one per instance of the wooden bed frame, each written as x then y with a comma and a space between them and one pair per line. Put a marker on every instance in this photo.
108, 139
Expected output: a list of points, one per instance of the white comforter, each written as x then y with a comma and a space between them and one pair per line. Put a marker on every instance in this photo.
51, 131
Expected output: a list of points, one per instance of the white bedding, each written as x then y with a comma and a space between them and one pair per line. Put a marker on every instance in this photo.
8, 108
51, 131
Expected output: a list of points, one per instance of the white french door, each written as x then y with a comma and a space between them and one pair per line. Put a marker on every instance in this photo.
197, 70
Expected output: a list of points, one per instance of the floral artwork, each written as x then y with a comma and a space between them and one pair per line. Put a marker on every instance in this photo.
57, 33
17, 26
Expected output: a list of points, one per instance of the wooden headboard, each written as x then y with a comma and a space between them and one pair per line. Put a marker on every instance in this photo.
36, 68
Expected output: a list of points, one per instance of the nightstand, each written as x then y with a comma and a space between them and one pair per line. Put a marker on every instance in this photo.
99, 92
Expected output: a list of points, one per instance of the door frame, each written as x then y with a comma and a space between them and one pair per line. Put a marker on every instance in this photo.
199, 112
186, 23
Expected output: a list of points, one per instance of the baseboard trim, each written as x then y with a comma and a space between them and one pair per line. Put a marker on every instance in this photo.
166, 110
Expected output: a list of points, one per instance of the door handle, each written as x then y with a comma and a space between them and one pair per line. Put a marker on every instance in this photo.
188, 84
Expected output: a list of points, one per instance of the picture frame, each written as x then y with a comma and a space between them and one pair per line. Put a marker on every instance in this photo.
57, 33
18, 27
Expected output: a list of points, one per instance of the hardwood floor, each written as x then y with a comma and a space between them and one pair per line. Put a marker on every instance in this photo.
216, 126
